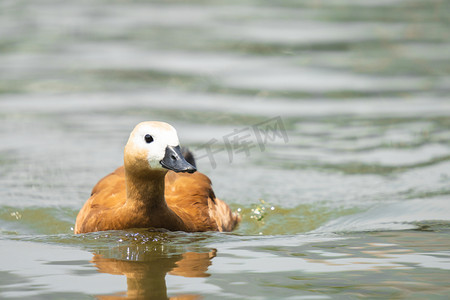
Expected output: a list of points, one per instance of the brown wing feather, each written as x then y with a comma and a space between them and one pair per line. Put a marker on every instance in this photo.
107, 195
187, 195
192, 198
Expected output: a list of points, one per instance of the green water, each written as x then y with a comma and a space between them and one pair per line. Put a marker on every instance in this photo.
350, 200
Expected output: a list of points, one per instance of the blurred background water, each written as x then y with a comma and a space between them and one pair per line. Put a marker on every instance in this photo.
352, 202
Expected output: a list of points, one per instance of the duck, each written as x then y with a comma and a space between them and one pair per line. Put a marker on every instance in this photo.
156, 188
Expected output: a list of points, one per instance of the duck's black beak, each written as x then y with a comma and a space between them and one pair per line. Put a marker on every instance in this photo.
175, 161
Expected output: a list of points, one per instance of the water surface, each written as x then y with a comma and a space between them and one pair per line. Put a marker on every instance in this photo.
350, 200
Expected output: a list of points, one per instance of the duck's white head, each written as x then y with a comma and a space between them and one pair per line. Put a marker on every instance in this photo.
155, 146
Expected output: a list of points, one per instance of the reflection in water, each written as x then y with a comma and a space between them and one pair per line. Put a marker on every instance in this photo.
146, 269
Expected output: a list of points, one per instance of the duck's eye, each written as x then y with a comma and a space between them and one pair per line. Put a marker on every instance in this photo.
148, 138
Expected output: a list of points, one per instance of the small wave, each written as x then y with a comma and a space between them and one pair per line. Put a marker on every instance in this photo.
408, 214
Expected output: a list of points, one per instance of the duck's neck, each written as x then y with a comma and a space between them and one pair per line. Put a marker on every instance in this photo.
146, 202
146, 191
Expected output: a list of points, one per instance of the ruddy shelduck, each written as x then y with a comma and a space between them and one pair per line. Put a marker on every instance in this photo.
155, 188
